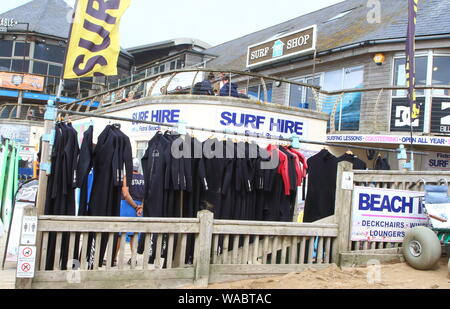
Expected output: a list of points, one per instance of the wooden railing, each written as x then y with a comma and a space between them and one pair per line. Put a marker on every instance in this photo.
176, 252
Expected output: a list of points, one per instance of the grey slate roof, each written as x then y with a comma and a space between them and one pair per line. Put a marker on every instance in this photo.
50, 17
45, 17
433, 19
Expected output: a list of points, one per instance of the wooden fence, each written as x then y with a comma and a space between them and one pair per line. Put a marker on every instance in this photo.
199, 251
186, 252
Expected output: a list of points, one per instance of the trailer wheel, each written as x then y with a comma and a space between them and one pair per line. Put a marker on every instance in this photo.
421, 248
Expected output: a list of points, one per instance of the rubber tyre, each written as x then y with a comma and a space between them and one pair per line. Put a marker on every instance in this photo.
430, 252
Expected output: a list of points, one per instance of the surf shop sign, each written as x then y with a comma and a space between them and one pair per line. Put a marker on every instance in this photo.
383, 215
6, 23
288, 45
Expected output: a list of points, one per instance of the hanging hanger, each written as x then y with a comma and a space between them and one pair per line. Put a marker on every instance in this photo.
349, 152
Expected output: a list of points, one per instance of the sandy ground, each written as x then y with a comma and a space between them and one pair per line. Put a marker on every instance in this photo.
395, 276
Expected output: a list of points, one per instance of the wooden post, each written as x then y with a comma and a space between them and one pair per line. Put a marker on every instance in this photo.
343, 209
203, 249
25, 283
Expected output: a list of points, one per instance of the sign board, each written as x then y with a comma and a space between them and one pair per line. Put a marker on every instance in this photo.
17, 133
400, 116
21, 81
440, 116
384, 215
388, 139
29, 229
285, 46
3, 29
438, 162
442, 211
26, 262
8, 22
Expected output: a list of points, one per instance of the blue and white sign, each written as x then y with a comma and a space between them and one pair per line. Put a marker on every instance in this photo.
384, 215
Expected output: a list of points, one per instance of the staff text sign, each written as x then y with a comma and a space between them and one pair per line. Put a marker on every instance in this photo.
384, 215
291, 44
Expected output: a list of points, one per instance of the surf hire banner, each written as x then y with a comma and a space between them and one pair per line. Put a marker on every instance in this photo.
410, 58
94, 43
383, 215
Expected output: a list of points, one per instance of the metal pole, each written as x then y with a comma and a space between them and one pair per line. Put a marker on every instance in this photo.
20, 96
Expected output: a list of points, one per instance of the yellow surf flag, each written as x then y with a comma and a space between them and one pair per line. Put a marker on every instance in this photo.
94, 43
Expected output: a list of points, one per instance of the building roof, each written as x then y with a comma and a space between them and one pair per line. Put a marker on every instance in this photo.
169, 43
341, 25
50, 17
47, 17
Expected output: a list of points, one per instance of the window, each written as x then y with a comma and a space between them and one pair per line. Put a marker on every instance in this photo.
20, 66
400, 75
22, 49
441, 74
6, 48
155, 70
5, 64
40, 68
50, 53
173, 65
54, 70
257, 92
303, 97
179, 64
348, 112
162, 68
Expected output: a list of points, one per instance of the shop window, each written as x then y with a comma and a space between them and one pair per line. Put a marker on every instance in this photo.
6, 48
350, 103
20, 66
47, 52
441, 74
400, 75
40, 68
303, 97
257, 92
22, 49
5, 64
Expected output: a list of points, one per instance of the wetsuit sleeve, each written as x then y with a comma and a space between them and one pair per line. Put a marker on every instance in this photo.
202, 174
128, 158
85, 158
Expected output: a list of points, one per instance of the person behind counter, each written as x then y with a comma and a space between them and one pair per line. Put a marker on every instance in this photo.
225, 90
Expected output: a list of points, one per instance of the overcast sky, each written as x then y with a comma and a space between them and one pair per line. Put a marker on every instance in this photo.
214, 22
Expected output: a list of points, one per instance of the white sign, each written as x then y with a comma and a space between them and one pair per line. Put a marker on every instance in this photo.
26, 262
29, 229
441, 211
347, 180
388, 139
384, 215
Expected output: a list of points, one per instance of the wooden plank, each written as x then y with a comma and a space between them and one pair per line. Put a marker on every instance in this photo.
283, 250
56, 265
226, 239
202, 267
147, 245
70, 260
302, 250
274, 269
311, 250
111, 250
215, 248
245, 257
275, 243
170, 251
320, 251
265, 249
97, 250
235, 249
329, 231
365, 245
134, 241
294, 251
83, 254
123, 243
328, 251
182, 261
159, 241
117, 227
120, 220
44, 250
255, 250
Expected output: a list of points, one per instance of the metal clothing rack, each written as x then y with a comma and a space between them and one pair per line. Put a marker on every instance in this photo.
294, 139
